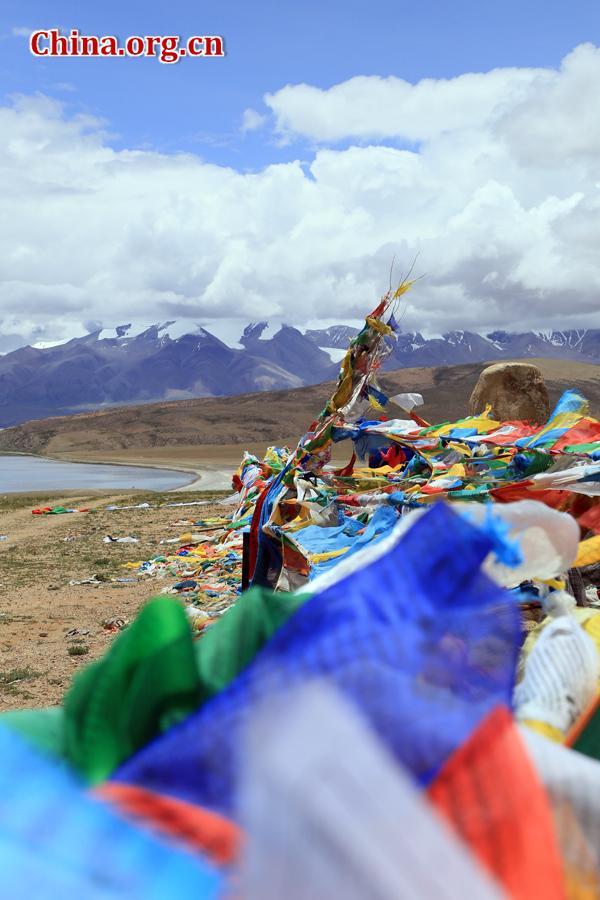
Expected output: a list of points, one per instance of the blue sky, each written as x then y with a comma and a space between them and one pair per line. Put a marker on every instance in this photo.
465, 133
197, 105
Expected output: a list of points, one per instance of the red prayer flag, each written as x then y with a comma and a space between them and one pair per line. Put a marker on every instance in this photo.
590, 520
490, 792
586, 431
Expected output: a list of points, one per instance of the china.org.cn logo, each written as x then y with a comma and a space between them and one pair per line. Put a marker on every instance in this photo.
167, 48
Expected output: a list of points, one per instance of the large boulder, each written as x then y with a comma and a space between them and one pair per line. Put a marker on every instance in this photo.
514, 390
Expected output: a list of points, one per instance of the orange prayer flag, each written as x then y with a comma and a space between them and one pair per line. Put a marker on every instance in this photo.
196, 827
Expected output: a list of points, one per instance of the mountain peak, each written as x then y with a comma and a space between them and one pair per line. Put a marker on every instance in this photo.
253, 331
137, 363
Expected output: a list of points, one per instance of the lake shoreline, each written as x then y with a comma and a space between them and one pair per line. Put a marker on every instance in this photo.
184, 470
210, 466
191, 476
208, 477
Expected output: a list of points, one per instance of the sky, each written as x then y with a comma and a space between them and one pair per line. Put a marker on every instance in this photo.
282, 181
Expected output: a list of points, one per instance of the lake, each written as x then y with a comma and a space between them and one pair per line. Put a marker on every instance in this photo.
32, 474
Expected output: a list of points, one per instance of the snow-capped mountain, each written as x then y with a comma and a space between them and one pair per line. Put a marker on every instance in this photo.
338, 336
455, 347
168, 361
133, 364
411, 348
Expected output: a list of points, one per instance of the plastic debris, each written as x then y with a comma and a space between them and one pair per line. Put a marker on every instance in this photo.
115, 624
113, 508
75, 632
407, 401
305, 517
93, 579
56, 511
560, 678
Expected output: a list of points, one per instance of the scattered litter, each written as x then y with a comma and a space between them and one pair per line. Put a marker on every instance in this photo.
120, 540
305, 517
407, 401
188, 585
93, 579
112, 507
188, 503
74, 632
591, 593
456, 660
232, 500
56, 511
194, 613
116, 624
3, 537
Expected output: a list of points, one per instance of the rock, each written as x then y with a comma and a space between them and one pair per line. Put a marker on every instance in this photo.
514, 390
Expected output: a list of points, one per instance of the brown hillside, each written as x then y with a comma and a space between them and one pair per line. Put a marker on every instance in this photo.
259, 418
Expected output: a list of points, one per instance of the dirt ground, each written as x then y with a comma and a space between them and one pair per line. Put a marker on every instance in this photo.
38, 606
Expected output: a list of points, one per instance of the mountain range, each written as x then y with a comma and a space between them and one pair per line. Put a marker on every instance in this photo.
217, 429
172, 361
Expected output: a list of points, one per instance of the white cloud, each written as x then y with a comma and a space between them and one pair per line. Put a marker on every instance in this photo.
21, 31
501, 200
556, 120
532, 107
369, 107
252, 120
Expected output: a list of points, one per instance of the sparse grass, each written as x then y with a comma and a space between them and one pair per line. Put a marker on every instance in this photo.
12, 678
13, 675
42, 560
9, 618
14, 502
